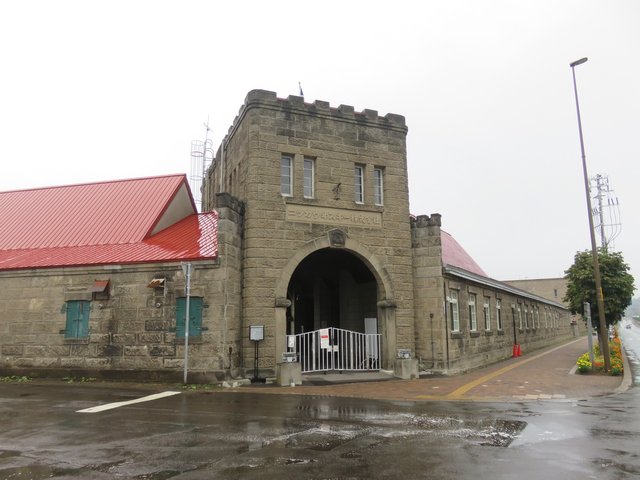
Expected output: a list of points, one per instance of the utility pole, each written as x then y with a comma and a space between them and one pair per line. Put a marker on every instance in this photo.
604, 338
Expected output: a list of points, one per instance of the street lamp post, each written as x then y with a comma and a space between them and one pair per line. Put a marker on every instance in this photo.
596, 266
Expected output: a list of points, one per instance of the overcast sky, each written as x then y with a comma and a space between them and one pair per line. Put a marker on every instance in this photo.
93, 90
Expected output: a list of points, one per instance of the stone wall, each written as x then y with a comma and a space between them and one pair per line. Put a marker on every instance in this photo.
131, 331
442, 350
429, 293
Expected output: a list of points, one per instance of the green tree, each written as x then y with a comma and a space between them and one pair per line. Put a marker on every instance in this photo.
617, 285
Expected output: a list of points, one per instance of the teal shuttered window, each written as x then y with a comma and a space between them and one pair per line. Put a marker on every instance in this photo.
195, 316
77, 319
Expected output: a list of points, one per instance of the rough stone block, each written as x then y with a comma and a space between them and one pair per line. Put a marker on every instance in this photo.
406, 368
288, 373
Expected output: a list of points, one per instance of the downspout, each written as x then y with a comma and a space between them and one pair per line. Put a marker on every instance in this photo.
446, 321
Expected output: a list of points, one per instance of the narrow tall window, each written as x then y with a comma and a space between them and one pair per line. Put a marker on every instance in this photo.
486, 310
378, 186
473, 319
455, 311
359, 184
286, 175
77, 319
499, 313
309, 177
526, 317
537, 317
519, 317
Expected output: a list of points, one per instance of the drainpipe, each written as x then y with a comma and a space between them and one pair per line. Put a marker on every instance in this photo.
446, 322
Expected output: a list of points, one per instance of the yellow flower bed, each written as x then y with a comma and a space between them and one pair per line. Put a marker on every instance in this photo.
615, 352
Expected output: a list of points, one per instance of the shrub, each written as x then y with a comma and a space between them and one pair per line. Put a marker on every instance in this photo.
584, 364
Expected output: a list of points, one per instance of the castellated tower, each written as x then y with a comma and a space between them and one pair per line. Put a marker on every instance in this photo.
326, 236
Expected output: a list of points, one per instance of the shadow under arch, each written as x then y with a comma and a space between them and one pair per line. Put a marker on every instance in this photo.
336, 240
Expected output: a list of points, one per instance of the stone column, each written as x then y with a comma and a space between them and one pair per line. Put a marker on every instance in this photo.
387, 310
280, 333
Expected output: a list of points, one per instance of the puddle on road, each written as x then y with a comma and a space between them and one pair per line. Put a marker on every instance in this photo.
35, 472
328, 436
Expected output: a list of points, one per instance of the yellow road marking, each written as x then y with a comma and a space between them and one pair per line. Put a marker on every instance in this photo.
459, 392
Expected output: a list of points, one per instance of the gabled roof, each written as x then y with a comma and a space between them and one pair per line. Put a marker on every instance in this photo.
457, 262
454, 255
127, 221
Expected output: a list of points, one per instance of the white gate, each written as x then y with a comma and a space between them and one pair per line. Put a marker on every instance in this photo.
335, 349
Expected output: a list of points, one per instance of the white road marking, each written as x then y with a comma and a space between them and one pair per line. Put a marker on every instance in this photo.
109, 406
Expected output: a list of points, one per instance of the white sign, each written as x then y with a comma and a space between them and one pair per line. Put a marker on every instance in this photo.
324, 338
256, 332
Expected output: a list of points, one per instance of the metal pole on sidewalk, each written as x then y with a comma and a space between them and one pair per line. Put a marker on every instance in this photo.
587, 315
186, 267
594, 251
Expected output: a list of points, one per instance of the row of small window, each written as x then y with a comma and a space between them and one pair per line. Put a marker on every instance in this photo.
309, 179
77, 322
531, 318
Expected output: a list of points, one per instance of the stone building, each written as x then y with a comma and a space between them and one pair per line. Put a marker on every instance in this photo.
329, 243
91, 281
551, 288
307, 250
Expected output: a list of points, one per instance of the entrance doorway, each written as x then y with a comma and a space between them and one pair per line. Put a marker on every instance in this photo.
333, 312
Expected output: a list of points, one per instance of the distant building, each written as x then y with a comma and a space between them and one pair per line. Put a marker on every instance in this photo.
550, 288
308, 247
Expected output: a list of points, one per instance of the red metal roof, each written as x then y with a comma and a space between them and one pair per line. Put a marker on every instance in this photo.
453, 254
104, 223
103, 213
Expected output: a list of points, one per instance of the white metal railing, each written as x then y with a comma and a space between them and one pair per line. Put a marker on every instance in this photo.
335, 349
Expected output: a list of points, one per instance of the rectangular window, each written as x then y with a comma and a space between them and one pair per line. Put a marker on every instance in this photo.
473, 319
526, 317
499, 313
378, 186
455, 311
195, 316
309, 177
519, 317
286, 175
546, 317
77, 319
537, 317
359, 184
486, 310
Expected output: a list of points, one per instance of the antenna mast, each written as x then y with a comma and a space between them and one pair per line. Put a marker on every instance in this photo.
201, 158
607, 211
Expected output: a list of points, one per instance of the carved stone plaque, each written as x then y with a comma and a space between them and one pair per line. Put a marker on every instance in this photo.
333, 216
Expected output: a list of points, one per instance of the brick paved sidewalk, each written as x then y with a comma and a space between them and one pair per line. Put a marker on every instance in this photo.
540, 375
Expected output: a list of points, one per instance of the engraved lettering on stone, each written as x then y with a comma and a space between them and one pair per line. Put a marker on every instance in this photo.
309, 214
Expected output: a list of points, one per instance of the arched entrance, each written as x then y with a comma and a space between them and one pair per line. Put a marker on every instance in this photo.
332, 317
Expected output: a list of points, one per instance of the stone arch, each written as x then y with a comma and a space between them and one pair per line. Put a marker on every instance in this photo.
336, 239
385, 287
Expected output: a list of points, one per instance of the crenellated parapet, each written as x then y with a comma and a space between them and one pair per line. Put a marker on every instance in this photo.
424, 221
425, 230
294, 104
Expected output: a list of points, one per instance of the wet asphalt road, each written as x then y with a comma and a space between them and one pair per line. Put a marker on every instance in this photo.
229, 435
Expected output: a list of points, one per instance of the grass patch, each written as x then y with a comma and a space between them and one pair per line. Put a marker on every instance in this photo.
15, 379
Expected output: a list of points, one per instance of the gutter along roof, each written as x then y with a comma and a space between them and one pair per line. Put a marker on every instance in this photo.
490, 282
141, 220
